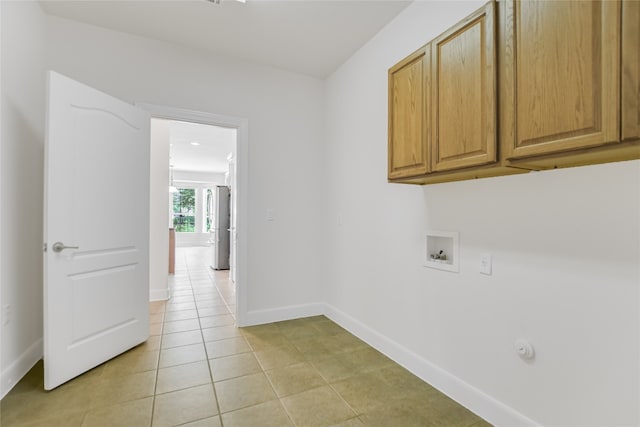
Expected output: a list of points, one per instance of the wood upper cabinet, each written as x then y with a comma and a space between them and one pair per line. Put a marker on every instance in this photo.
560, 76
463, 113
408, 107
630, 70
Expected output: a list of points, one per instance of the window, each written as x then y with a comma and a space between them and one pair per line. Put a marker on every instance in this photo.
209, 213
184, 210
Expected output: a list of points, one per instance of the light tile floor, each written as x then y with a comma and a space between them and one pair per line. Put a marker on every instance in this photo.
199, 369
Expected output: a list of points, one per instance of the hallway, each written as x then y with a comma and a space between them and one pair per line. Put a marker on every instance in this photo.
197, 365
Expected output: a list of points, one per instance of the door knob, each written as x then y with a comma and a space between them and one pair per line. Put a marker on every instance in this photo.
59, 247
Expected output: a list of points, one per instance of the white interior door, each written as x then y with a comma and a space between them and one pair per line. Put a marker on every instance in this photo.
96, 290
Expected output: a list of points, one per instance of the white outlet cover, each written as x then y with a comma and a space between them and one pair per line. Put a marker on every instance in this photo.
485, 264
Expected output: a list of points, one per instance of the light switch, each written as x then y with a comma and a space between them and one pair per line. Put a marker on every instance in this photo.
485, 264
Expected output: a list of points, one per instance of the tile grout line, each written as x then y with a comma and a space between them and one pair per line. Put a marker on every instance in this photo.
155, 386
206, 353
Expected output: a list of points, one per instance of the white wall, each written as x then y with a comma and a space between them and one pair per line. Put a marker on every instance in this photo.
285, 115
159, 217
565, 246
21, 191
195, 176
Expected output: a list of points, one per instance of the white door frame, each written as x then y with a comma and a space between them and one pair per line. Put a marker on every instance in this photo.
242, 182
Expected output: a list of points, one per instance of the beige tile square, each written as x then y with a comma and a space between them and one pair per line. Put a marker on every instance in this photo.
181, 338
213, 311
65, 420
312, 348
214, 321
449, 413
227, 347
183, 376
244, 391
134, 413
117, 389
224, 368
181, 326
346, 342
268, 414
183, 406
220, 333
265, 330
175, 299
183, 291
205, 292
155, 328
364, 392
180, 306
133, 361
295, 379
386, 416
266, 342
327, 327
341, 343
409, 409
317, 407
277, 357
370, 359
172, 316
352, 422
181, 355
37, 405
157, 307
152, 343
336, 368
210, 303
156, 318
294, 333
404, 381
207, 422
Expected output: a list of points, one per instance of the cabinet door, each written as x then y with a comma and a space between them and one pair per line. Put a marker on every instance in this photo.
408, 138
463, 126
560, 75
630, 70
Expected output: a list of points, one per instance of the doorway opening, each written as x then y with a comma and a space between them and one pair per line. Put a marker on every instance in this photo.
198, 179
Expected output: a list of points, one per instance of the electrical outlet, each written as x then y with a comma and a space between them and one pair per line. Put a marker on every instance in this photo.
6, 315
485, 264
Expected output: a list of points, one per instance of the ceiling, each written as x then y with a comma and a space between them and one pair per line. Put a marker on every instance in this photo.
312, 37
215, 144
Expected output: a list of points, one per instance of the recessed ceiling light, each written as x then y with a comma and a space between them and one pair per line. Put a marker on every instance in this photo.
195, 143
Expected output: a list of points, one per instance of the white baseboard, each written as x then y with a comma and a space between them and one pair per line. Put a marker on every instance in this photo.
18, 369
158, 294
492, 410
258, 317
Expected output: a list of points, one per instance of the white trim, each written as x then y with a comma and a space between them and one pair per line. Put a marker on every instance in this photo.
485, 406
159, 295
242, 171
258, 317
20, 367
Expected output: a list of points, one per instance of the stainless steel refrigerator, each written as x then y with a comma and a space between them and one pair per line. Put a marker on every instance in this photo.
220, 223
